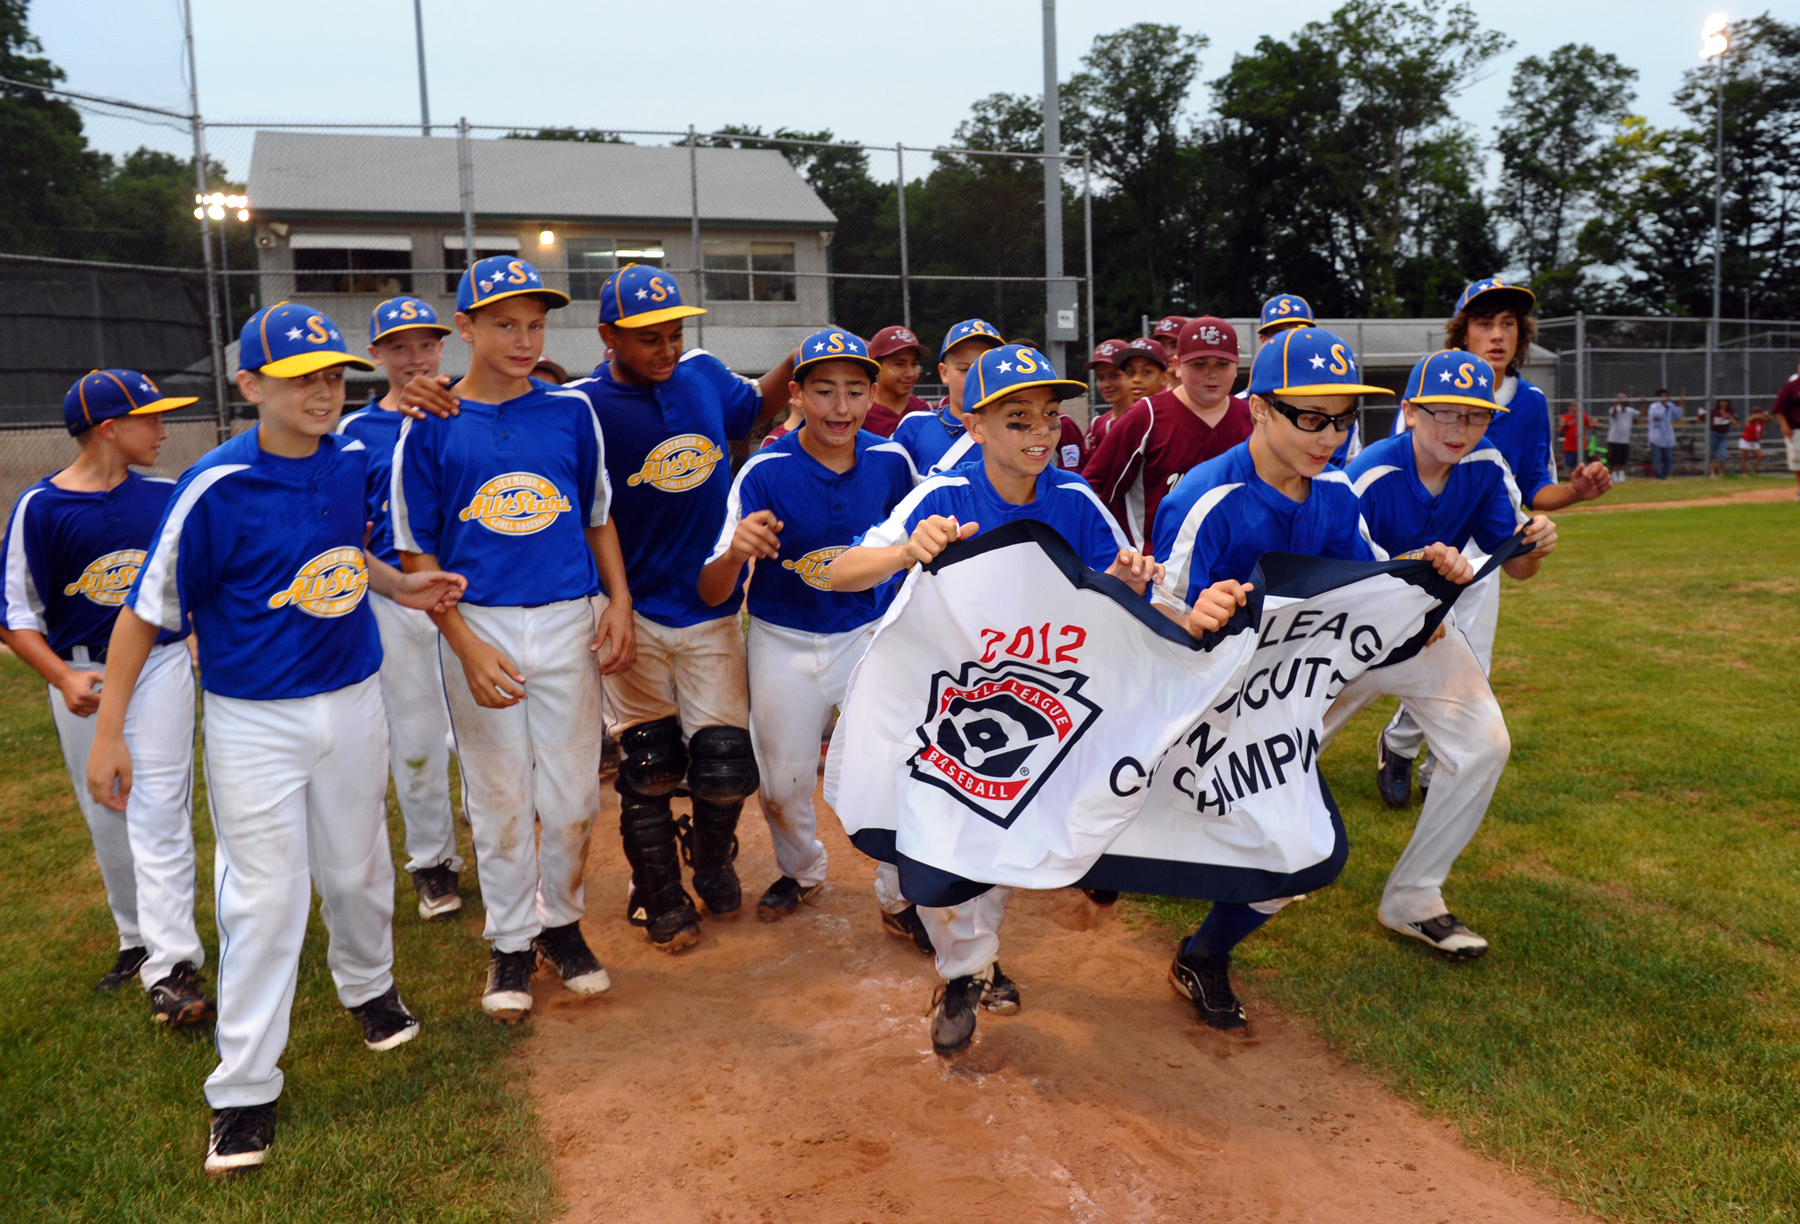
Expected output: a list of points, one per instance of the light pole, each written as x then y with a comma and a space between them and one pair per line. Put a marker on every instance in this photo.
1715, 43
424, 96
217, 206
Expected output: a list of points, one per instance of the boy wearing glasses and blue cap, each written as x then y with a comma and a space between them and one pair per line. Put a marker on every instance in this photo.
1441, 481
73, 546
1275, 492
407, 341
1011, 399
262, 548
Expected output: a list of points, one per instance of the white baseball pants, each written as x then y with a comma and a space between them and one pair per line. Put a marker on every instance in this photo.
412, 688
796, 680
1447, 690
531, 767
967, 936
887, 889
298, 789
695, 672
1478, 616
146, 854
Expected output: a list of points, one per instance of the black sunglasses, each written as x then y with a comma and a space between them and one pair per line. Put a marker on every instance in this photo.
1308, 420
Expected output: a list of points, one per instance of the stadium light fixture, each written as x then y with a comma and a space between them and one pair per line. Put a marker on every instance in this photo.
546, 238
1714, 41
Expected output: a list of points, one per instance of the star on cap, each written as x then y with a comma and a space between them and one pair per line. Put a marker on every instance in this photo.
1318, 362
1482, 379
1444, 376
819, 347
293, 333
642, 294
334, 334
394, 313
144, 385
1004, 367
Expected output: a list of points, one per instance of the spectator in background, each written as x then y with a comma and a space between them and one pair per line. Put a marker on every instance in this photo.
1618, 436
1787, 414
1662, 416
1750, 445
1571, 437
548, 371
1719, 424
902, 357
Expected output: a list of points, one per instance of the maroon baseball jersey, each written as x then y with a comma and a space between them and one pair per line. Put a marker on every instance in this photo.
1151, 447
882, 419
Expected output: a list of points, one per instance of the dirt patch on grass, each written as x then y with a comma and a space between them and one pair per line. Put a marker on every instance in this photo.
1729, 499
784, 1072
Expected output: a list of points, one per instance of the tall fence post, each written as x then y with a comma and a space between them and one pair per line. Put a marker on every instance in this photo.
1087, 227
1053, 206
900, 204
465, 180
694, 217
214, 327
1581, 388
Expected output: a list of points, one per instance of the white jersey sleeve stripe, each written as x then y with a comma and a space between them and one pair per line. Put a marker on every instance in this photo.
1171, 592
1362, 528
354, 416
1084, 489
159, 596
1487, 455
397, 515
894, 448
24, 603
602, 505
892, 530
734, 506
1361, 483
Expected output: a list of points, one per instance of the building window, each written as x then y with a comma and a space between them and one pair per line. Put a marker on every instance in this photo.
455, 262
740, 271
592, 260
352, 270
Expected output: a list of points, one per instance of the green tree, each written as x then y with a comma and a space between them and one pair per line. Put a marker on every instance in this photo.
577, 135
47, 173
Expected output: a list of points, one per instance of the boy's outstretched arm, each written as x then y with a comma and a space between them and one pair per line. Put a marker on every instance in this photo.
863, 567
1541, 534
757, 536
1136, 570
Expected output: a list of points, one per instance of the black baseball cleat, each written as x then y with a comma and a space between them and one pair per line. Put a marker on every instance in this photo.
953, 1021
1393, 774
719, 890
1445, 933
907, 925
240, 1139
1000, 994
124, 969
508, 994
574, 962
673, 930
175, 1000
385, 1021
438, 893
784, 897
1102, 896
1206, 982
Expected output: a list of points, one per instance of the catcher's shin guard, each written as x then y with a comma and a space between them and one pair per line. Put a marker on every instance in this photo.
652, 759
652, 762
721, 775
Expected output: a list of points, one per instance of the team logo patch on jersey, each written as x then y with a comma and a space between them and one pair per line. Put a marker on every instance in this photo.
517, 503
107, 579
814, 569
331, 584
678, 464
994, 734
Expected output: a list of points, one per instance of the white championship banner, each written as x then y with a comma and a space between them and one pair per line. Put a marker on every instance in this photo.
1020, 719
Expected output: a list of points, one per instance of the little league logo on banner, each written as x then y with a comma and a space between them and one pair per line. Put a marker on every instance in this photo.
1022, 720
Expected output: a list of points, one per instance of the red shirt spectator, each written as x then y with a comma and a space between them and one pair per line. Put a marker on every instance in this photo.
882, 419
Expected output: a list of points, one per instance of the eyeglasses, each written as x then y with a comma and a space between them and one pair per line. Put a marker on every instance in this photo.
1480, 418
1308, 420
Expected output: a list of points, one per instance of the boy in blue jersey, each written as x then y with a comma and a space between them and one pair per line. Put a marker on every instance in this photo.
1010, 406
1442, 481
1275, 492
938, 441
794, 508
262, 547
1493, 321
74, 544
407, 341
513, 494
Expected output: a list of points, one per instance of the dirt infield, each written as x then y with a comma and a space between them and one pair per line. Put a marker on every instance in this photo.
784, 1073
1729, 499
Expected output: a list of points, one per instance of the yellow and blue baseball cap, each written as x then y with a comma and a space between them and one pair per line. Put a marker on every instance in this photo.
1451, 376
834, 345
102, 395
1500, 295
499, 277
639, 295
1284, 309
1013, 367
289, 339
403, 313
971, 329
1307, 361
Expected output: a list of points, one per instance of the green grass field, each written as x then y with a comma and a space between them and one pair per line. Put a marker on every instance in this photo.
1687, 488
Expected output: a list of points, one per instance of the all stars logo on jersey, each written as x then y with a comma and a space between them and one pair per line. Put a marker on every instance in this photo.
678, 464
994, 734
107, 579
329, 585
517, 503
814, 569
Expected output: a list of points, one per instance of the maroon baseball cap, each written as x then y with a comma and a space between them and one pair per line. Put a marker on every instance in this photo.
890, 340
1109, 352
1170, 325
1153, 349
1207, 336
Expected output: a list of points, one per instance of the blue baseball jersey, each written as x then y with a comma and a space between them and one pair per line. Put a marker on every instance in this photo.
378, 429
1216, 524
503, 494
1521, 435
1063, 500
821, 512
69, 558
1480, 499
266, 554
936, 441
666, 453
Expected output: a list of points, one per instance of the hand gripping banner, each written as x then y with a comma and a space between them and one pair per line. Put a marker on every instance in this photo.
1020, 719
